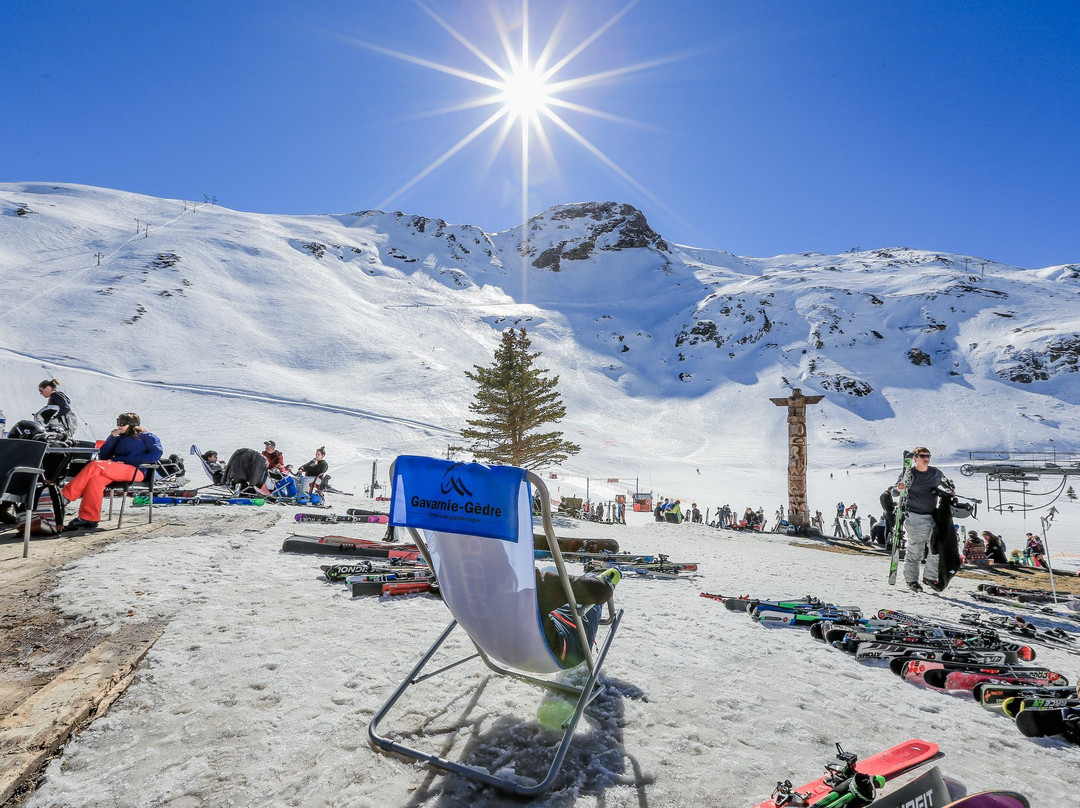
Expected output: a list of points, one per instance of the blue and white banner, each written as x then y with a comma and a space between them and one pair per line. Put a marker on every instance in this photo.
471, 498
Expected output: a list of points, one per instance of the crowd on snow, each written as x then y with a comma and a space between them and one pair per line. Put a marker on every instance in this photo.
130, 451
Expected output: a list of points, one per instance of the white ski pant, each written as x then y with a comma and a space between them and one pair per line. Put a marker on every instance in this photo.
917, 529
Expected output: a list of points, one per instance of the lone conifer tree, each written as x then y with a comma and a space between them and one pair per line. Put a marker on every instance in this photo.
513, 401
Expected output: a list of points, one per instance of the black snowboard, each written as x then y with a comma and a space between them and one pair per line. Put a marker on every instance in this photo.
1040, 723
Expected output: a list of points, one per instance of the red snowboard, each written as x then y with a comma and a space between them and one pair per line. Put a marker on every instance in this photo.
888, 764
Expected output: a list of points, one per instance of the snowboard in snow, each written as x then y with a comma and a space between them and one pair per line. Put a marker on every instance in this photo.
1040, 723
568, 545
365, 512
991, 799
889, 763
928, 790
342, 546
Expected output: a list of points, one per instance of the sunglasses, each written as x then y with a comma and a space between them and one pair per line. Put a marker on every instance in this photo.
923, 455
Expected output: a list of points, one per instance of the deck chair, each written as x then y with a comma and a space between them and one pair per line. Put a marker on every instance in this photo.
20, 470
466, 517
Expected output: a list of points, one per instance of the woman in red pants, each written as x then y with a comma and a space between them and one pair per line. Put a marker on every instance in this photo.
127, 447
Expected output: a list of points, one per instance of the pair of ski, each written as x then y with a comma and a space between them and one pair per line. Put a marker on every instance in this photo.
957, 677
898, 539
339, 573
773, 616
645, 569
372, 579
1019, 593
1056, 636
882, 640
745, 603
199, 500
363, 518
650, 571
618, 558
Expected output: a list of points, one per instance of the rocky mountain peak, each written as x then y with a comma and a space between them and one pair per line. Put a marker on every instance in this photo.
576, 231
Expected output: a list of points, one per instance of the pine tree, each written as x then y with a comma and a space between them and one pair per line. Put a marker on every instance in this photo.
1070, 493
514, 400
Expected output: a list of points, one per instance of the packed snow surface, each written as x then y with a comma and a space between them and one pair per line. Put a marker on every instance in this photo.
261, 688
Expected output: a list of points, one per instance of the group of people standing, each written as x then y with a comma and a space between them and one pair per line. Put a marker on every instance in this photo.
670, 510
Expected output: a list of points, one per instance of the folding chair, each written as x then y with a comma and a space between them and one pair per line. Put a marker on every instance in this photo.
473, 524
20, 470
149, 471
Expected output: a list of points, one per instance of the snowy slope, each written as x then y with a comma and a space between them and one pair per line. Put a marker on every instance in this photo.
353, 330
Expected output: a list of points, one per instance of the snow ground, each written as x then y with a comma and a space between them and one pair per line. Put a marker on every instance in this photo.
261, 688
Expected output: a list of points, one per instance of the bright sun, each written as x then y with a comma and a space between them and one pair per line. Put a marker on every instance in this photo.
525, 93
528, 94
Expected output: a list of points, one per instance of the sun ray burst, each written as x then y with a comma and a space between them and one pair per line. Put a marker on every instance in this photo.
526, 91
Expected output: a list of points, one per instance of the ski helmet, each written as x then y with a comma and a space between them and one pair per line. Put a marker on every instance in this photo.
27, 430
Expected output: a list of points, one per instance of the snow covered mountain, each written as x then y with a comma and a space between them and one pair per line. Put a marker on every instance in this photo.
354, 330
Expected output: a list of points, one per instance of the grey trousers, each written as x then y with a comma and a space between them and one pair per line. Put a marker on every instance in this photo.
917, 529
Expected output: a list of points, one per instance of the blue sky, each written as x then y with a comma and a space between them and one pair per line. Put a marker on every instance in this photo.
761, 127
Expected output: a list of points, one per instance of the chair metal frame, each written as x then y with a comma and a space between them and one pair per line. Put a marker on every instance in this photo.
26, 500
149, 472
585, 693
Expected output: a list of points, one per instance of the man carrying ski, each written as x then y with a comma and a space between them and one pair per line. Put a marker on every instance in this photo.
920, 502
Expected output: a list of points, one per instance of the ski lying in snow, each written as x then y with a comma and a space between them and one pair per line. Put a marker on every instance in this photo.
898, 653
161, 500
365, 512
991, 694
983, 597
1014, 704
885, 764
619, 558
745, 603
935, 673
380, 519
390, 583
965, 681
337, 573
598, 565
1019, 593
901, 515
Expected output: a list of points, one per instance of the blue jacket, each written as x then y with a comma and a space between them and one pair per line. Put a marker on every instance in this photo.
134, 450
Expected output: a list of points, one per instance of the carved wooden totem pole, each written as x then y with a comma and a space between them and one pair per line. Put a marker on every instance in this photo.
798, 510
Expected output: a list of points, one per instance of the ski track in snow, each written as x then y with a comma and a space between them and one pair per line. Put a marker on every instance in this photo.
261, 688
235, 393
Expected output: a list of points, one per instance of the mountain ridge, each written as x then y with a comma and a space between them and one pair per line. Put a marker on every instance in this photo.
391, 307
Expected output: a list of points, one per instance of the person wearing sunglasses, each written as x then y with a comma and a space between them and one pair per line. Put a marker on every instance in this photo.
920, 502
128, 446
